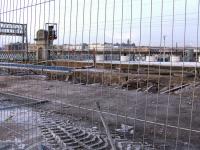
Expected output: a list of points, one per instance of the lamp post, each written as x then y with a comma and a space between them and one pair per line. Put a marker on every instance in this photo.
164, 37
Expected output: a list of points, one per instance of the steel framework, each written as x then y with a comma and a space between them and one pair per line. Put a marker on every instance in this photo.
15, 29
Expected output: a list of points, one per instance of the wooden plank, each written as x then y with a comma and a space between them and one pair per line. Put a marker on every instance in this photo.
174, 89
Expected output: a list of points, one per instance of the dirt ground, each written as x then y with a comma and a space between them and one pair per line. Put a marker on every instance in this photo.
158, 119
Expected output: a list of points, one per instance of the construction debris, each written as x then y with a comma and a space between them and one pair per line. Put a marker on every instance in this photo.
175, 89
125, 129
106, 127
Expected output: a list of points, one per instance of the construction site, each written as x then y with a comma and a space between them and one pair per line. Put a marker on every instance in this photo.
94, 95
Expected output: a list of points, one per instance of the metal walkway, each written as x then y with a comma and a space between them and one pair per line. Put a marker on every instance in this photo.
36, 67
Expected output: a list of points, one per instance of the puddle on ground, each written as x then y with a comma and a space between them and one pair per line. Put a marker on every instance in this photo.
18, 114
18, 126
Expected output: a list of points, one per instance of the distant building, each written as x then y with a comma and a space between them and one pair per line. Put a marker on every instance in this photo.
102, 47
196, 50
15, 46
73, 47
34, 47
125, 45
56, 48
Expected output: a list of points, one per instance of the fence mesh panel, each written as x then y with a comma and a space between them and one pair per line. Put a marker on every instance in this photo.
99, 74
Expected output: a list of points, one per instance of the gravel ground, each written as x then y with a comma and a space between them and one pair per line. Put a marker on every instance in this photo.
120, 106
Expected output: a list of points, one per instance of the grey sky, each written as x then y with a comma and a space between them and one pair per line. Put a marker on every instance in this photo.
37, 15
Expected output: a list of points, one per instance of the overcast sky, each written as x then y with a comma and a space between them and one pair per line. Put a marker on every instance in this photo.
117, 18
